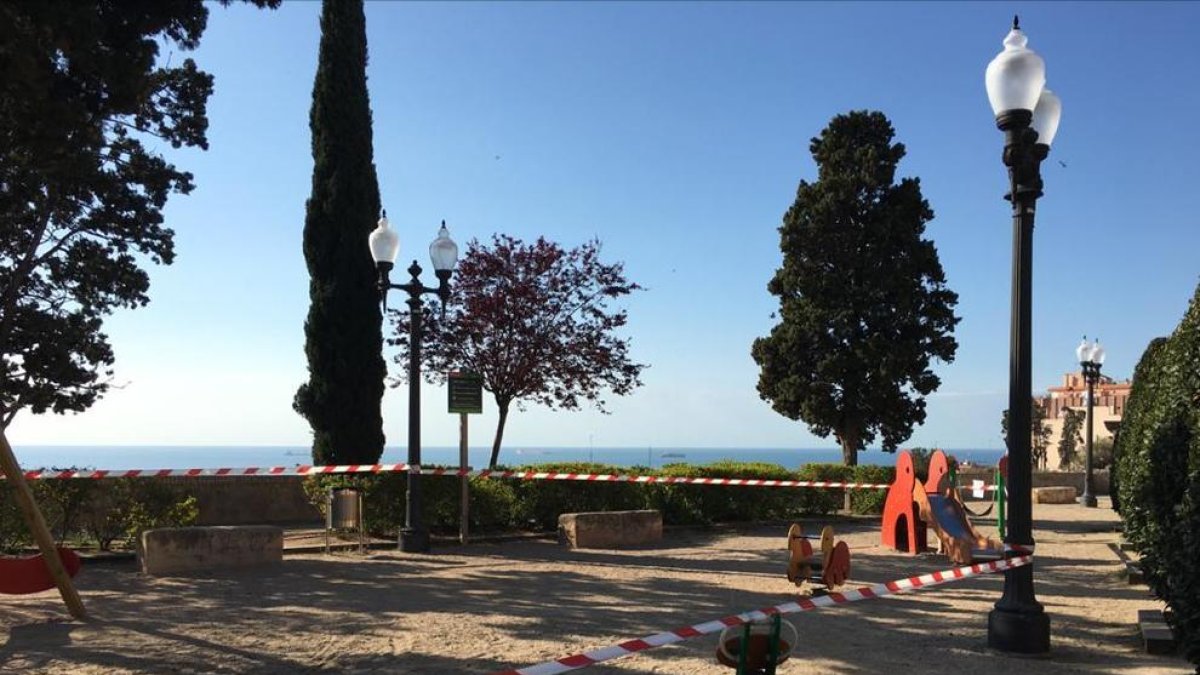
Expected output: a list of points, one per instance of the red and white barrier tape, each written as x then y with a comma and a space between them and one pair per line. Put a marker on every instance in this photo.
595, 656
97, 474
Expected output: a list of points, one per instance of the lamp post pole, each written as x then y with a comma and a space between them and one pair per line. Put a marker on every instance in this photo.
1028, 114
1090, 359
385, 246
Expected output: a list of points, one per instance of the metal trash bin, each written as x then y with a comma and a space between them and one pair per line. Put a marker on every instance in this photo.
344, 511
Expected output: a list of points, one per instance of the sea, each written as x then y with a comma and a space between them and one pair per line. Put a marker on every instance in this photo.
229, 456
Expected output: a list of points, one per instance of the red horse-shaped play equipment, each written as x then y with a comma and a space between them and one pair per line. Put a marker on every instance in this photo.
29, 574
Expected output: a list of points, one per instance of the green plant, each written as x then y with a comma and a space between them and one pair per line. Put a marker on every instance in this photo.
1102, 453
871, 501
822, 500
123, 508
63, 502
863, 303
14, 535
1071, 439
1160, 473
540, 502
343, 334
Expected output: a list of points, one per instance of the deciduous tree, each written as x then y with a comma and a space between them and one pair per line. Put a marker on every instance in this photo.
344, 330
84, 91
863, 301
535, 321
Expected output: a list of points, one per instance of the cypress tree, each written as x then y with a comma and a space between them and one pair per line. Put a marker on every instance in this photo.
863, 302
343, 331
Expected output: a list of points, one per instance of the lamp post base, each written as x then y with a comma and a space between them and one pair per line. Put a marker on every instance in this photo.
414, 541
1088, 500
1019, 632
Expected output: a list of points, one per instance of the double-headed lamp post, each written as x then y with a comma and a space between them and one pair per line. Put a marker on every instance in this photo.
1091, 357
443, 252
1028, 113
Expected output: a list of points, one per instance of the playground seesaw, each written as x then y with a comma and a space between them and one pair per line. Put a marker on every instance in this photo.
832, 570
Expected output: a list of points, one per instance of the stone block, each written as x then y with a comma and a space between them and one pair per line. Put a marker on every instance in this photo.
191, 550
1059, 494
609, 529
1157, 636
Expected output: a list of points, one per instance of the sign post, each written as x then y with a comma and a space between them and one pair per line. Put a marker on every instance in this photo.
466, 398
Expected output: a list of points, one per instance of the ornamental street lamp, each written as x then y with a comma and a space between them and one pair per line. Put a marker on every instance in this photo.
1028, 113
443, 252
1090, 359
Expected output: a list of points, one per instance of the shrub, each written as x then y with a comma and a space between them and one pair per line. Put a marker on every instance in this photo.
121, 509
493, 502
1160, 473
705, 504
822, 500
1102, 453
383, 498
14, 536
871, 501
63, 502
539, 502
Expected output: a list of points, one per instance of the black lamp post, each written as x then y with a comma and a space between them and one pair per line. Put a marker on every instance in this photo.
443, 252
1090, 359
1028, 114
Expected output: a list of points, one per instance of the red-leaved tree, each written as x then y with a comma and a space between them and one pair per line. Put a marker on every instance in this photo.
534, 321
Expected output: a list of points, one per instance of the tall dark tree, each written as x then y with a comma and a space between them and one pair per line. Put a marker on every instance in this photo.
534, 321
344, 329
82, 88
863, 302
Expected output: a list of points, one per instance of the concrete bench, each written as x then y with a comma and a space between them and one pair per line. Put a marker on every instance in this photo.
187, 550
609, 529
1157, 637
1062, 494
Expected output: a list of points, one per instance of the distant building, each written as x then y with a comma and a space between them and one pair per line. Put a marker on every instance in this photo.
1111, 398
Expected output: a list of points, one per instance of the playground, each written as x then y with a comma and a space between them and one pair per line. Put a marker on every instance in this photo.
488, 607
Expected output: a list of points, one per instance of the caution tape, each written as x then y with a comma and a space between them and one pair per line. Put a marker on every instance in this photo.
301, 470
626, 648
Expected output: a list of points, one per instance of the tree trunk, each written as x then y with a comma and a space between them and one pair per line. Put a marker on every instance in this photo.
849, 450
503, 406
849, 458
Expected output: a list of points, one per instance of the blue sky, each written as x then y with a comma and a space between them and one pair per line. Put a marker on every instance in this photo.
676, 133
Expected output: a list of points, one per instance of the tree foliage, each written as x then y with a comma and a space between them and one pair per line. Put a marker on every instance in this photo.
863, 301
1159, 468
344, 330
535, 321
1040, 433
84, 90
1071, 438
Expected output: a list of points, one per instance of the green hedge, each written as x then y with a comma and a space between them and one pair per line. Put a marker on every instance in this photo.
502, 504
1159, 469
99, 512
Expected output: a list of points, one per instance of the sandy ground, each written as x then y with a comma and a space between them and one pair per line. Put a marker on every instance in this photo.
487, 607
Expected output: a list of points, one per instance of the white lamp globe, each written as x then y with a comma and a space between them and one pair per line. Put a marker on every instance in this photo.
443, 252
1016, 77
1083, 351
1097, 353
384, 242
1046, 116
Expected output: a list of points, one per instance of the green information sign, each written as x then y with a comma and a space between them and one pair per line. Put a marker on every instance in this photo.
466, 393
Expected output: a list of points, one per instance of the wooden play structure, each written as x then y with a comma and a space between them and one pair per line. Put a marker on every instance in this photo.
757, 647
912, 508
52, 566
833, 568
